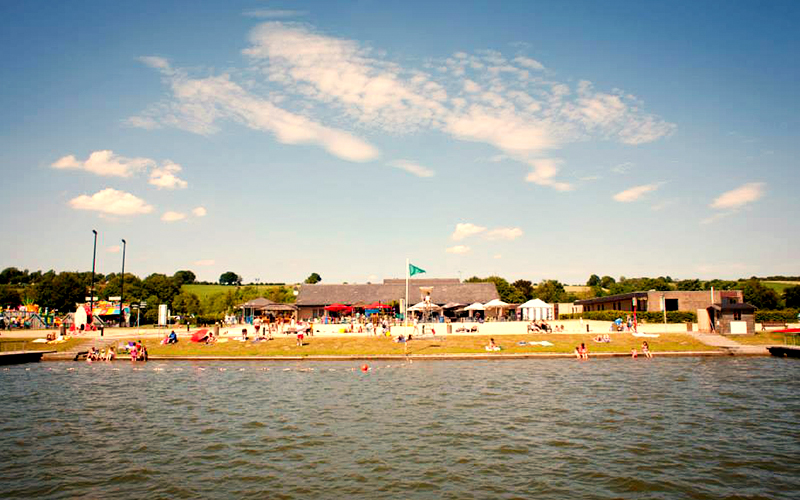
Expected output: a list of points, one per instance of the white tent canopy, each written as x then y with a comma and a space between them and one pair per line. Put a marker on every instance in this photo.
477, 306
422, 306
495, 304
536, 310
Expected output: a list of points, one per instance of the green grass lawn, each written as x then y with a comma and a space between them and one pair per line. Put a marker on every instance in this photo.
203, 291
780, 286
366, 346
762, 338
16, 344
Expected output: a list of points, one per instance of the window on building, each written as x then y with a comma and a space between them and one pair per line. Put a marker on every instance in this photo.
737, 315
671, 304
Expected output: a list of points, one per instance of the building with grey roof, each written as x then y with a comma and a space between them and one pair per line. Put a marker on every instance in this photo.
312, 299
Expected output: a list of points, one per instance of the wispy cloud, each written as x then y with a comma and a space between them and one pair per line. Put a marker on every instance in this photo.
457, 249
413, 168
635, 193
622, 168
504, 233
172, 216
736, 198
730, 202
204, 262
466, 229
112, 202
198, 104
273, 13
483, 97
199, 211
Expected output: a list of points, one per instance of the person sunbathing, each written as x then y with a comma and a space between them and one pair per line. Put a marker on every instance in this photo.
492, 346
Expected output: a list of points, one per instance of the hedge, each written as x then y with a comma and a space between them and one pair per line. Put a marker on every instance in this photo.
642, 316
786, 315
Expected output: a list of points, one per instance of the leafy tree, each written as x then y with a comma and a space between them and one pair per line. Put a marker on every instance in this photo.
758, 295
313, 279
184, 277
690, 285
61, 291
9, 296
607, 281
594, 280
12, 276
161, 287
230, 278
551, 291
133, 288
186, 303
791, 297
506, 292
524, 288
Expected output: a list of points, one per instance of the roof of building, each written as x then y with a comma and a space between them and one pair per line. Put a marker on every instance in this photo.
442, 293
742, 306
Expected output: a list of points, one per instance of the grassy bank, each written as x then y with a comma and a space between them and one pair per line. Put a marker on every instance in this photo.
376, 346
13, 344
763, 338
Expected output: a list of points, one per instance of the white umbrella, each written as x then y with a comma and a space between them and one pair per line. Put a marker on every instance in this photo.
477, 306
495, 304
422, 306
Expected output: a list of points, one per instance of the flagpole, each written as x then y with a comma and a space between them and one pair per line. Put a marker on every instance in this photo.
405, 312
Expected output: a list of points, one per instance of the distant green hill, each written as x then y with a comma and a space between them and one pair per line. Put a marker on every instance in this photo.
780, 286
203, 291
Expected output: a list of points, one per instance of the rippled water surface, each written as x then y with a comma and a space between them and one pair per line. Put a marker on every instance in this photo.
663, 428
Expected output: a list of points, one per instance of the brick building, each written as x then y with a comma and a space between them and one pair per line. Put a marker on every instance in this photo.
673, 300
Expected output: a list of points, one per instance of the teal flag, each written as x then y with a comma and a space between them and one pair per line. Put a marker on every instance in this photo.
412, 270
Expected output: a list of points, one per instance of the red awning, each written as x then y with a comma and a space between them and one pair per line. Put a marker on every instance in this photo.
338, 308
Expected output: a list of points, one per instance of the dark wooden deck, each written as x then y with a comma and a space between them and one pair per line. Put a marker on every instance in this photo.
16, 357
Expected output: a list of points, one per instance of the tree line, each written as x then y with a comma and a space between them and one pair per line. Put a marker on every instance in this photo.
62, 291
552, 291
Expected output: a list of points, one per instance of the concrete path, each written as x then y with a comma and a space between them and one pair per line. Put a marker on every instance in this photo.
733, 347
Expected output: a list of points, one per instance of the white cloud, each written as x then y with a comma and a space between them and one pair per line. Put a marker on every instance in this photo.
528, 62
634, 193
273, 13
156, 62
504, 233
544, 170
164, 177
172, 216
105, 163
481, 97
113, 249
113, 202
413, 168
199, 211
622, 167
740, 196
199, 103
204, 263
466, 229
458, 249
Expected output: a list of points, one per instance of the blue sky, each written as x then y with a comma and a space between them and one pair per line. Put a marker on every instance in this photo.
526, 139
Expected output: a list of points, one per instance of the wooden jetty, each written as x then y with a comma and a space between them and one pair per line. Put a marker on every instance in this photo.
16, 357
785, 351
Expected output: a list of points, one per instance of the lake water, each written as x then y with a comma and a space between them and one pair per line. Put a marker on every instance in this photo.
663, 428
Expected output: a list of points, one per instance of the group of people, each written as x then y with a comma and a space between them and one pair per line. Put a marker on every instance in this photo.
581, 352
543, 326
101, 355
138, 351
645, 351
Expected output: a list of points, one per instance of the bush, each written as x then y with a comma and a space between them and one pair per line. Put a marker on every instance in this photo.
642, 316
786, 315
208, 319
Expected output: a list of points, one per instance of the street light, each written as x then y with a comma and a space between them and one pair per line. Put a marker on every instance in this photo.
122, 286
91, 294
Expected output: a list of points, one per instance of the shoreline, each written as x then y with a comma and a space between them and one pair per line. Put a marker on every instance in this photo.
436, 357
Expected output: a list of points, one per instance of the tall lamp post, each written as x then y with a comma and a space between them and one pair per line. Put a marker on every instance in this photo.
91, 293
122, 286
